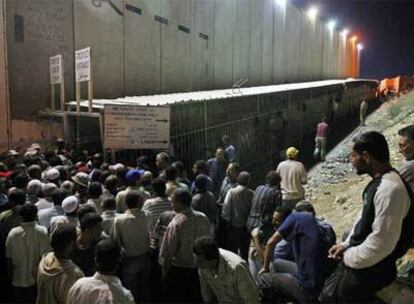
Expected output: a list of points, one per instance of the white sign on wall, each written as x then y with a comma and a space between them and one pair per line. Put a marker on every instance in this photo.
83, 64
137, 127
55, 65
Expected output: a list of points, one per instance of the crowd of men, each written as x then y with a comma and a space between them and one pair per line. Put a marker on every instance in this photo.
76, 229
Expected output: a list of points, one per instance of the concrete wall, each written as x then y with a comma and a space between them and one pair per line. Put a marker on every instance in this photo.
4, 102
101, 28
37, 30
161, 46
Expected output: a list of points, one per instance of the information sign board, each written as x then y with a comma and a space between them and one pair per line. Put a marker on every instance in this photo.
136, 127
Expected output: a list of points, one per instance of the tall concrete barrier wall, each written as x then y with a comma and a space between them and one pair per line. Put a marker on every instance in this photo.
142, 47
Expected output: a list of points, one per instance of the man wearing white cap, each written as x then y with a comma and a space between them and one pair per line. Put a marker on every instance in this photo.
49, 190
293, 174
70, 206
53, 176
45, 215
34, 188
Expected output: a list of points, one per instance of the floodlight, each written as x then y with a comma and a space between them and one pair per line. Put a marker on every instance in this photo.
312, 13
331, 25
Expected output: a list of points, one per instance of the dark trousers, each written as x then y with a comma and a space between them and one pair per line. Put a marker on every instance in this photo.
183, 285
156, 282
221, 235
238, 239
25, 294
347, 285
283, 288
135, 273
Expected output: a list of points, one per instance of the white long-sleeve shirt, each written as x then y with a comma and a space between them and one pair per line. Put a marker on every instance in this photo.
392, 204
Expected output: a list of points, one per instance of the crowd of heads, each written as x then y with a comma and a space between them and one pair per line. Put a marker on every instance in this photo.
85, 187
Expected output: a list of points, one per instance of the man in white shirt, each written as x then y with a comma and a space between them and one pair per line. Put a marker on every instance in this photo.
383, 230
49, 190
294, 176
104, 286
224, 276
45, 215
131, 230
25, 246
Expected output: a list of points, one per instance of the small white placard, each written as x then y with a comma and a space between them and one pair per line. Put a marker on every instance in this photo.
55, 64
83, 64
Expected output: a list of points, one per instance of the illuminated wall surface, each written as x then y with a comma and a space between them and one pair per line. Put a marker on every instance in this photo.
142, 47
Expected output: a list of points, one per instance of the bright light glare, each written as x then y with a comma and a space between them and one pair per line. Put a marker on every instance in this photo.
281, 3
312, 13
331, 25
345, 32
360, 46
354, 38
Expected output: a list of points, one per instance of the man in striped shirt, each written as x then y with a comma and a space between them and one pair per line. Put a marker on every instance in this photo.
176, 255
266, 198
155, 206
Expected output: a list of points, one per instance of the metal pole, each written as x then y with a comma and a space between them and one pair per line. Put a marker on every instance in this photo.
102, 128
205, 128
52, 91
62, 88
78, 93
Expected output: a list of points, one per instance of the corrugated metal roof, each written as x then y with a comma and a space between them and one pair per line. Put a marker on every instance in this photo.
167, 99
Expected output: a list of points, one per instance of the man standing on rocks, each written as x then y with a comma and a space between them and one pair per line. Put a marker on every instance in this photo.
381, 234
363, 110
406, 148
322, 132
293, 174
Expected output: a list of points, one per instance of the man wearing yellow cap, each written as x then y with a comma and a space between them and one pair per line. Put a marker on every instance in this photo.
294, 176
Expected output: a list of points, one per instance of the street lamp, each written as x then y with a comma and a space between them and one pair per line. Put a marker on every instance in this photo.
281, 3
331, 25
312, 13
344, 33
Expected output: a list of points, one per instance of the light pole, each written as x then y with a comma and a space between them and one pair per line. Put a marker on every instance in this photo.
359, 49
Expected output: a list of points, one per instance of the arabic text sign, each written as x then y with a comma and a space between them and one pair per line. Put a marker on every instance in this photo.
137, 127
55, 65
83, 64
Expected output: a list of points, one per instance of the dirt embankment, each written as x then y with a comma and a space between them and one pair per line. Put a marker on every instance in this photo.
336, 190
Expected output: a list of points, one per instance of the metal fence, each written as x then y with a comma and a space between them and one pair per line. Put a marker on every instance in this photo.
261, 127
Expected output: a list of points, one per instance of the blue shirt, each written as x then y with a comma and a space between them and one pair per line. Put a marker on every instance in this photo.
300, 228
210, 186
217, 173
283, 250
230, 153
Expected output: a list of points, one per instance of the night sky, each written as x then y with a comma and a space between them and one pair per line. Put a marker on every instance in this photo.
385, 28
